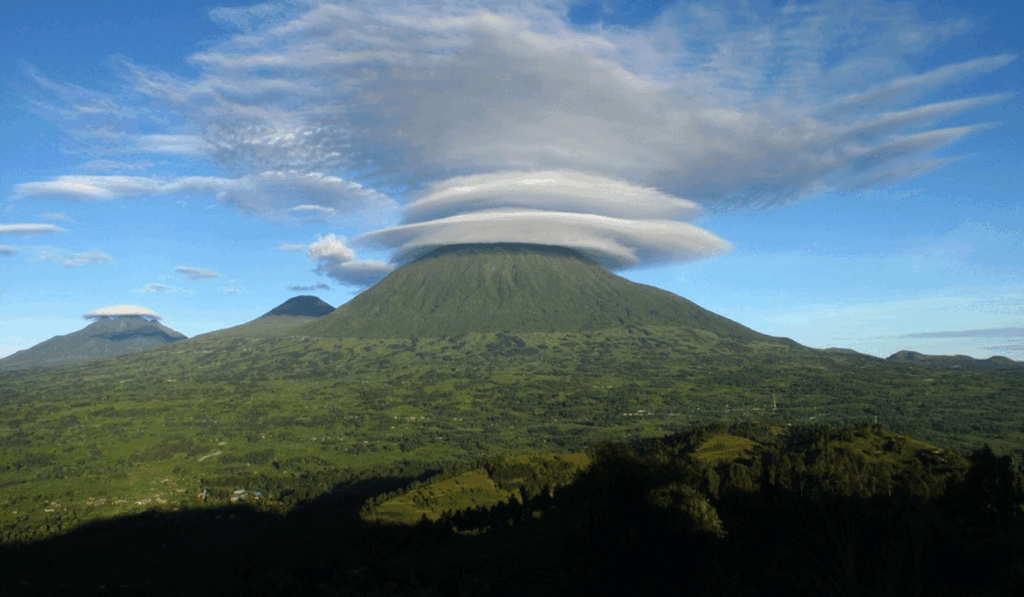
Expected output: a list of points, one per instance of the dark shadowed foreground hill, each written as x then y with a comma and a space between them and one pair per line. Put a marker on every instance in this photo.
103, 339
511, 287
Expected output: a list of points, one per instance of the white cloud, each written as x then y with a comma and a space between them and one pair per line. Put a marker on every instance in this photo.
980, 333
271, 194
613, 242
330, 249
356, 273
318, 286
106, 188
291, 247
721, 105
163, 288
175, 144
121, 310
110, 165
313, 211
157, 288
66, 259
8, 250
29, 229
549, 191
335, 259
195, 273
56, 215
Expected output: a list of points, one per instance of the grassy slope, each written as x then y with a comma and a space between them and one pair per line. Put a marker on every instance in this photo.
120, 435
100, 340
520, 288
265, 326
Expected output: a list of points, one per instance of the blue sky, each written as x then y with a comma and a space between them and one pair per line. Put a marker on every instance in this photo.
844, 174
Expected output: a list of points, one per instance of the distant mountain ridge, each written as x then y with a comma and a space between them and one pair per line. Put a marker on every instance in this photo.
513, 287
960, 360
105, 338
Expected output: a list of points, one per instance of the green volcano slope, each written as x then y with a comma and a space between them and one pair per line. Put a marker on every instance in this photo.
102, 339
278, 321
511, 287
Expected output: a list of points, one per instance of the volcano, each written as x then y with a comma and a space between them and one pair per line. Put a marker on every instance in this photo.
280, 319
301, 306
487, 288
103, 339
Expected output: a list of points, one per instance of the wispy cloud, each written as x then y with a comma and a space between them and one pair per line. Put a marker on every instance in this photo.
106, 188
115, 165
56, 215
276, 194
30, 229
291, 247
155, 287
173, 144
66, 259
982, 333
195, 273
713, 104
320, 286
8, 250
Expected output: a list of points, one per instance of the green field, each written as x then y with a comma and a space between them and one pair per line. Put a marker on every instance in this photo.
191, 423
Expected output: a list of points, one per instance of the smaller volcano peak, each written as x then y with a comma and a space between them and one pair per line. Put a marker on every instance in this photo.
302, 306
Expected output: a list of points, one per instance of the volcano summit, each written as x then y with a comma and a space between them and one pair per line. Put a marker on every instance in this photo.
487, 288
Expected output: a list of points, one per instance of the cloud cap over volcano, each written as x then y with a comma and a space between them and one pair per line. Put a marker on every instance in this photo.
616, 223
122, 311
552, 190
615, 243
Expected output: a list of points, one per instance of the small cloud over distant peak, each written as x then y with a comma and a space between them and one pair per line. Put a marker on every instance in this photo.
8, 250
232, 288
320, 286
122, 310
195, 273
30, 229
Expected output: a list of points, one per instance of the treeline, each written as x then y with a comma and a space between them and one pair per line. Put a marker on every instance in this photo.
795, 514
807, 516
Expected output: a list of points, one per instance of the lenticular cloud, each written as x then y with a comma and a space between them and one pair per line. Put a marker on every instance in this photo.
122, 311
617, 224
